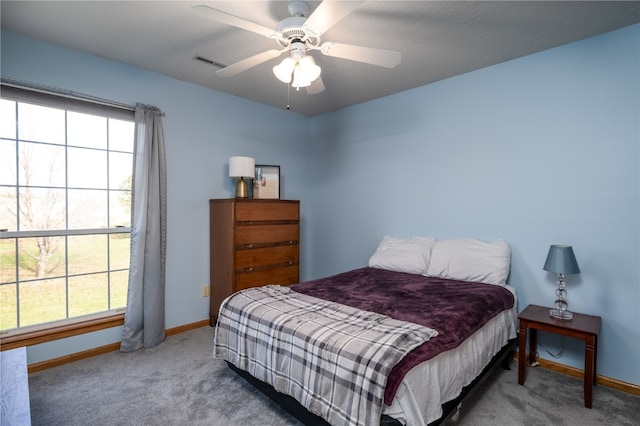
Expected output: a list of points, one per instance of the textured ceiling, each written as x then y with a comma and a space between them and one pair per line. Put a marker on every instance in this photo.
437, 39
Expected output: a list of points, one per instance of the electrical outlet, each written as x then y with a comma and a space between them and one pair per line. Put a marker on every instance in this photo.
205, 291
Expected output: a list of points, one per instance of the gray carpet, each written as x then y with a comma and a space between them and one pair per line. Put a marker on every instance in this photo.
179, 383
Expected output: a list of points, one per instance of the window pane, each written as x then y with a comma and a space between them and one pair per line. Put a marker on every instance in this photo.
9, 303
40, 124
121, 135
7, 261
8, 174
8, 206
41, 208
119, 251
87, 253
120, 170
119, 284
41, 164
7, 119
88, 294
87, 168
119, 208
86, 130
41, 257
87, 209
42, 301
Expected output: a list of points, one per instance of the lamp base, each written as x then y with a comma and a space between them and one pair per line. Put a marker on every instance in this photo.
242, 189
563, 315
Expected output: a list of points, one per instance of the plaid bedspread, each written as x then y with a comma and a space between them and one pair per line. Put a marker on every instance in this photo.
332, 358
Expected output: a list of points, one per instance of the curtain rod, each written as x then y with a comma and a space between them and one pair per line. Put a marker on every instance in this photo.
28, 85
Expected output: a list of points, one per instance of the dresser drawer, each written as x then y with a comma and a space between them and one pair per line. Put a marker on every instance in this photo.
281, 276
253, 259
250, 235
267, 211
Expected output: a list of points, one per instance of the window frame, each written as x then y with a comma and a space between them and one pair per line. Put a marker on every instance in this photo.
58, 329
55, 330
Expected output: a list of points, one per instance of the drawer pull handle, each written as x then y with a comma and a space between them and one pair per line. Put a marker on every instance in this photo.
290, 241
248, 245
248, 269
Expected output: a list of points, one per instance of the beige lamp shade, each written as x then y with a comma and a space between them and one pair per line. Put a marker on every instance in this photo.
242, 167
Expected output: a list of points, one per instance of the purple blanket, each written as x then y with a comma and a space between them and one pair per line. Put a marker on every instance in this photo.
456, 309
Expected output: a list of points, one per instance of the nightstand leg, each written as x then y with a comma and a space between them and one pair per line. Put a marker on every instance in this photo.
522, 346
589, 369
533, 345
595, 358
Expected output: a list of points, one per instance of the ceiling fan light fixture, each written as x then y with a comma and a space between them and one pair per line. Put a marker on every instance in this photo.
284, 70
301, 69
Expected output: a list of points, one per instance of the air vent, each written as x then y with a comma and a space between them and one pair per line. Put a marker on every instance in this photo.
209, 61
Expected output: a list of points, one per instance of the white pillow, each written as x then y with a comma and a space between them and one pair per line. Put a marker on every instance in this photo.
403, 255
471, 260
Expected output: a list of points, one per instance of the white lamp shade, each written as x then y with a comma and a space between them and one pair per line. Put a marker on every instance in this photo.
309, 68
242, 167
299, 79
305, 72
284, 69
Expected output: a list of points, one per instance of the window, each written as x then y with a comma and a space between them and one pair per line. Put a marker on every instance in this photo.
65, 198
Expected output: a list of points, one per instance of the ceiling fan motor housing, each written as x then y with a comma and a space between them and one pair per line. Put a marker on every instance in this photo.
291, 29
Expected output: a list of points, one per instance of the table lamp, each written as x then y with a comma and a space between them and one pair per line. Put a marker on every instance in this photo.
240, 168
561, 260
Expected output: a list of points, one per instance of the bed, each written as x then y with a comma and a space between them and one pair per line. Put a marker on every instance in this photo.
400, 341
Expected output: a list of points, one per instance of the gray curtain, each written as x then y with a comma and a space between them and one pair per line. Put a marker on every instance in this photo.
144, 317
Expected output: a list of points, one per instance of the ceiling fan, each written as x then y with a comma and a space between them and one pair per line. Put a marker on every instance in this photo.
299, 34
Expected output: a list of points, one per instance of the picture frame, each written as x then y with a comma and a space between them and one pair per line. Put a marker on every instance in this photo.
266, 184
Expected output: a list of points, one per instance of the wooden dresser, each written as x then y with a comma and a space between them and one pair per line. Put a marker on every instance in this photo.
252, 243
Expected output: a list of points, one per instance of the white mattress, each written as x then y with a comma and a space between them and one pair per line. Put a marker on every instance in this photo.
430, 384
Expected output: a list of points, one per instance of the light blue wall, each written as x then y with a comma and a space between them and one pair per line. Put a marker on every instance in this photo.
203, 128
540, 150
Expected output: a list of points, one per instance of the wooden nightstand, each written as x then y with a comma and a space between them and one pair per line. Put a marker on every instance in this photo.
584, 327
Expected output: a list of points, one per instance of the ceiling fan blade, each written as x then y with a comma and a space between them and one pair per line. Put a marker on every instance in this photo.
227, 18
316, 86
368, 55
327, 14
250, 62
